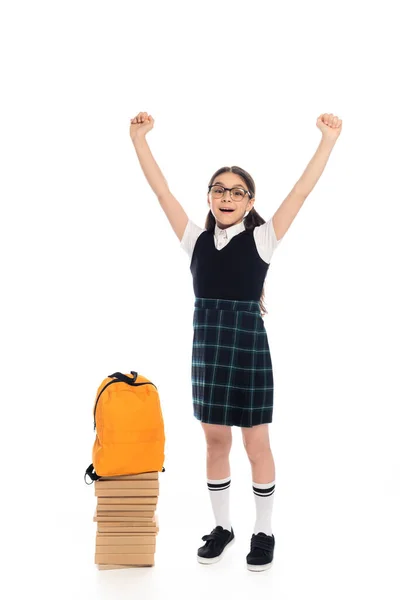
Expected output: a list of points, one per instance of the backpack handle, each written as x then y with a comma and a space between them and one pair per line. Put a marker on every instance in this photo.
121, 377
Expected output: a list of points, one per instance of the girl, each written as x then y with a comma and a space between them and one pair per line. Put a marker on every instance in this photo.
232, 378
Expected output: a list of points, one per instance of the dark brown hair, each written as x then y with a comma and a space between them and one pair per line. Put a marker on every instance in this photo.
253, 219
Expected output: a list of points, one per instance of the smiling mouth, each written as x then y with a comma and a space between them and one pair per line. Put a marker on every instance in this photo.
226, 209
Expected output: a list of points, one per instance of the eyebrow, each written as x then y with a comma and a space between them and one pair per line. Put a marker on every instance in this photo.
236, 185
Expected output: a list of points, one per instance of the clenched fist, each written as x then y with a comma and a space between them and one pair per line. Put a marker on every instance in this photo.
140, 125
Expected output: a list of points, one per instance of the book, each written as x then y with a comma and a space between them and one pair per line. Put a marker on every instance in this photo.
132, 559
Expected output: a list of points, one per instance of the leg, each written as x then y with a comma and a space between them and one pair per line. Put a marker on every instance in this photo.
257, 445
219, 443
256, 442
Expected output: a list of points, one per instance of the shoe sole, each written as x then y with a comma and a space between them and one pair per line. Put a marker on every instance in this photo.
259, 567
210, 561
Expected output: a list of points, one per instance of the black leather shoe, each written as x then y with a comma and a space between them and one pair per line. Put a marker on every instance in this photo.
216, 542
261, 552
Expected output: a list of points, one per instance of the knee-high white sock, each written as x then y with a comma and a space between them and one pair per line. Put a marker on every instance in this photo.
264, 497
219, 494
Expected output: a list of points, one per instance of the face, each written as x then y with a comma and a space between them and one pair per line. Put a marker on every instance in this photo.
239, 208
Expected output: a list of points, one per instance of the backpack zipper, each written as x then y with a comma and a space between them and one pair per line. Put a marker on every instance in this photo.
109, 383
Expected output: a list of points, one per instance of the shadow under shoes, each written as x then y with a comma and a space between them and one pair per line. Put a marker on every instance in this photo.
261, 552
216, 542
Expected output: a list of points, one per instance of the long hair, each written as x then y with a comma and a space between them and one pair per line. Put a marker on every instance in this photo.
252, 219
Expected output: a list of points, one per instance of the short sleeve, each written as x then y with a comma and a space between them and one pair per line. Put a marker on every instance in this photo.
189, 238
266, 241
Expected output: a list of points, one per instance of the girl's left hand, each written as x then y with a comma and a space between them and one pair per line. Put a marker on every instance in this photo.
329, 125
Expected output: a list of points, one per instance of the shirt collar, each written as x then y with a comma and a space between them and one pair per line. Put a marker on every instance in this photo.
230, 231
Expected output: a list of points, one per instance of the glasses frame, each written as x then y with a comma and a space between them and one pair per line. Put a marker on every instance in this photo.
229, 190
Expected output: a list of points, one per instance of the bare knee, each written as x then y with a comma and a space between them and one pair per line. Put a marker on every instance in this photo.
257, 453
256, 442
218, 439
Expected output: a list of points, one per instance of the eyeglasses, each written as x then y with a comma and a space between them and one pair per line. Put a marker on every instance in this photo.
218, 191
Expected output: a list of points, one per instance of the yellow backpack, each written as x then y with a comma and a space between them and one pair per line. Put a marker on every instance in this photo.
129, 427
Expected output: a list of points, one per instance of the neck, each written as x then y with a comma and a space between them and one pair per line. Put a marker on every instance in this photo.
225, 226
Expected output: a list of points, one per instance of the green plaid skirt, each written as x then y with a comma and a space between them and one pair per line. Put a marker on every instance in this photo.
232, 379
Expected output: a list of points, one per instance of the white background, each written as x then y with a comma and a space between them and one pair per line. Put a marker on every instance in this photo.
94, 282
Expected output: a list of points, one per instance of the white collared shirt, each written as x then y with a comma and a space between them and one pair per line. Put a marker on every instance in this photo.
264, 236
223, 236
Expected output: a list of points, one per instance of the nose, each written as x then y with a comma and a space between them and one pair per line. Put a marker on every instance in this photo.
227, 195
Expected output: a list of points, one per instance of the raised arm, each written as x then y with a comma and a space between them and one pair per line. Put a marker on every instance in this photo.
140, 125
331, 127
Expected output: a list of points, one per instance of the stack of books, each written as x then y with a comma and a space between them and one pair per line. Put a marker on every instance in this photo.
126, 519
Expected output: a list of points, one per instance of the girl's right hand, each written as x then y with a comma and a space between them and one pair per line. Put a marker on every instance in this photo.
140, 125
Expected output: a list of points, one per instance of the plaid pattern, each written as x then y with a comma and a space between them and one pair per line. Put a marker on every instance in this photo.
232, 380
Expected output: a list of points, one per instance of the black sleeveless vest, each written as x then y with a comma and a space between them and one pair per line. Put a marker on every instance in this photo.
235, 272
